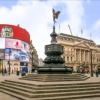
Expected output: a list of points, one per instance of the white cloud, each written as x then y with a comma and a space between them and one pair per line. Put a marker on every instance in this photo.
75, 13
35, 16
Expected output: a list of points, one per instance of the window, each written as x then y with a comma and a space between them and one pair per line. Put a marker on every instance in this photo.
71, 59
67, 58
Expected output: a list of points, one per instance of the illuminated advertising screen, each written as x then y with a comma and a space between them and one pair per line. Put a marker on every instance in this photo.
16, 44
13, 43
16, 54
2, 43
25, 46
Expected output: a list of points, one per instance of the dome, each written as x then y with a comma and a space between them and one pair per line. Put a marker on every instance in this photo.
15, 32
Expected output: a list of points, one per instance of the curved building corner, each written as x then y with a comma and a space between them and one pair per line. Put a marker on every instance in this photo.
14, 48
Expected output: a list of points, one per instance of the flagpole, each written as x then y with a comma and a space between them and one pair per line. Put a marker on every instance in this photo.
90, 36
59, 28
81, 32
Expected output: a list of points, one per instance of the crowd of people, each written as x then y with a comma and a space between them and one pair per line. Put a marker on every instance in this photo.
81, 69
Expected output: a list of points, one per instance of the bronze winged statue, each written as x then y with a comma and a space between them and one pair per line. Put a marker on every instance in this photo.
55, 15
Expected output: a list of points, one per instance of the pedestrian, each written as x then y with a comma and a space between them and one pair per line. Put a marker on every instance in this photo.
5, 71
2, 72
96, 73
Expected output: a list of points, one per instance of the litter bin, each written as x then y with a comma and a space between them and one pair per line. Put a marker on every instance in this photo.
17, 73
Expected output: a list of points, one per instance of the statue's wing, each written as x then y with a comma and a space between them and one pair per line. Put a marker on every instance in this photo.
53, 11
57, 13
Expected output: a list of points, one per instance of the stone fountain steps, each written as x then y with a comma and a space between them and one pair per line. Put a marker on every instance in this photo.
73, 97
55, 97
50, 86
54, 77
51, 91
53, 86
43, 80
20, 97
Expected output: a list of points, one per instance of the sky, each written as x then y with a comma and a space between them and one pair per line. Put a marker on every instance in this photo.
36, 17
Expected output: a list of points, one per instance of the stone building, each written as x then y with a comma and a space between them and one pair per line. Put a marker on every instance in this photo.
78, 52
16, 49
34, 60
41, 62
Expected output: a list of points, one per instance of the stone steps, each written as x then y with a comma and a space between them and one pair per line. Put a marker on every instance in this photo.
27, 83
56, 87
18, 84
16, 91
20, 97
53, 80
62, 90
44, 90
54, 77
74, 97
56, 94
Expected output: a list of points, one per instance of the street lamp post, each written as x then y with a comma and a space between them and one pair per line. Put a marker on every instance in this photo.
91, 72
9, 61
32, 53
1, 62
32, 58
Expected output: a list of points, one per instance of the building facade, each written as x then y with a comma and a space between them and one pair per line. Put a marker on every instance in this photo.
34, 60
78, 53
14, 48
41, 62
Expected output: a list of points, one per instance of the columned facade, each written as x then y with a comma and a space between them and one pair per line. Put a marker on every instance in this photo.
77, 52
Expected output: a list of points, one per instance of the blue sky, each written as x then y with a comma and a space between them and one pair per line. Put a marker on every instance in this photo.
8, 3
36, 17
92, 11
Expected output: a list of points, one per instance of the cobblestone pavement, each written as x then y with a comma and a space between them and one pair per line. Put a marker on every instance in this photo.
4, 96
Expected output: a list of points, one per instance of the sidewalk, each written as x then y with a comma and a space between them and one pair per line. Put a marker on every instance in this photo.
8, 77
93, 79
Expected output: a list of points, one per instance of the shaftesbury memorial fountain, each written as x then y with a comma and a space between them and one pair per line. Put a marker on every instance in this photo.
53, 63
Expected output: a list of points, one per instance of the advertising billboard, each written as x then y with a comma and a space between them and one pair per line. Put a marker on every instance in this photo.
2, 43
16, 54
16, 44
13, 43
25, 46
